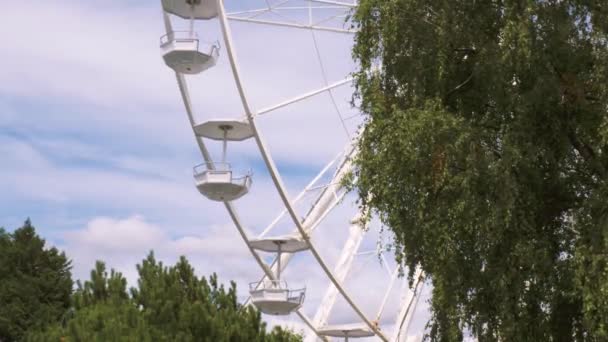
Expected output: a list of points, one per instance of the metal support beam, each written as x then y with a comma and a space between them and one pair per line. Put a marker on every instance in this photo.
292, 25
387, 294
335, 3
304, 96
342, 268
308, 187
408, 308
321, 207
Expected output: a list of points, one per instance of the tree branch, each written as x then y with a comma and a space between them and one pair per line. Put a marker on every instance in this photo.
587, 153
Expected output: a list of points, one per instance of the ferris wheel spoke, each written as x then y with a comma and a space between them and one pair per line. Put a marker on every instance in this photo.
392, 282
323, 186
269, 9
299, 8
292, 25
324, 3
306, 189
322, 206
259, 14
335, 3
393, 279
385, 263
282, 7
342, 268
304, 96
324, 20
326, 80
409, 303
318, 216
253, 11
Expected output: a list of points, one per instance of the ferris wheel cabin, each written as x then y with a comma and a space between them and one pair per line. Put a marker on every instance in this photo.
216, 181
220, 184
191, 9
184, 53
274, 297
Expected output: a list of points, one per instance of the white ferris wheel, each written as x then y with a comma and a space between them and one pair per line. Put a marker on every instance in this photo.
381, 304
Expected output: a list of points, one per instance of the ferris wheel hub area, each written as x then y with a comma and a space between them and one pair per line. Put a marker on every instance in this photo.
196, 9
224, 129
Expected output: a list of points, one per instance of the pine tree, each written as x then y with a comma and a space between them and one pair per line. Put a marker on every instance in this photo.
485, 153
35, 283
181, 306
169, 304
102, 311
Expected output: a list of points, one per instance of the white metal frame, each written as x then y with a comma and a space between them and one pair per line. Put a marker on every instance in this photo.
342, 268
249, 16
272, 169
329, 197
409, 302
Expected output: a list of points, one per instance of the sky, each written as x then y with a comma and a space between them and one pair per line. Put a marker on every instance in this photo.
96, 147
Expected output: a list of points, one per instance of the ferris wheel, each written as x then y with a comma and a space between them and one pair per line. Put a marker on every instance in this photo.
321, 197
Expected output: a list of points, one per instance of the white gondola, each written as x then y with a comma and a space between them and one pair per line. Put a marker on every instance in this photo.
184, 53
196, 9
274, 297
346, 331
218, 183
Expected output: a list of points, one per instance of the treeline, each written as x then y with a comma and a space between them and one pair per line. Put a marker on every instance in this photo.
40, 302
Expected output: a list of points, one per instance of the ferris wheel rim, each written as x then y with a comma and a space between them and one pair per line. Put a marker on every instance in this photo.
251, 116
210, 164
276, 177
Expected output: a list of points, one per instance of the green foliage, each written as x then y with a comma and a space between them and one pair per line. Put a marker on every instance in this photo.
484, 152
181, 306
169, 304
35, 283
100, 322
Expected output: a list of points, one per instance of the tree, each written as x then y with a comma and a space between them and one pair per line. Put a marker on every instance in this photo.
170, 304
35, 282
485, 153
101, 311
181, 306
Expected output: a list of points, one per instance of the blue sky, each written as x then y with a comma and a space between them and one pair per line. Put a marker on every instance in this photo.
96, 148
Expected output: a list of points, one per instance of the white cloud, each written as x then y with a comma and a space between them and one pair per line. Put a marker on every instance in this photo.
118, 236
104, 66
124, 242
83, 51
